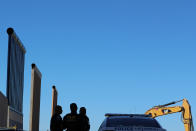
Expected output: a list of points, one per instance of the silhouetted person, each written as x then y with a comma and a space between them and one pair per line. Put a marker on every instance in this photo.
56, 122
84, 120
71, 120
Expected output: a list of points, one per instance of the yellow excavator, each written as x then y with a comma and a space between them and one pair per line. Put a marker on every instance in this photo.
185, 109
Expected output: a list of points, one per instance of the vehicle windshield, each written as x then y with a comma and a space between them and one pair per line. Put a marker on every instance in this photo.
130, 121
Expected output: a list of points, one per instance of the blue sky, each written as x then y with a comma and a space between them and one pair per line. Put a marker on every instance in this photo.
111, 56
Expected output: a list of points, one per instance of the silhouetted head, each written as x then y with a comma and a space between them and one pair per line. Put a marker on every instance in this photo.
73, 108
83, 111
58, 110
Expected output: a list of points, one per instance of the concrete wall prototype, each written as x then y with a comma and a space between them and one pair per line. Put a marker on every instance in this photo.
54, 99
35, 98
3, 110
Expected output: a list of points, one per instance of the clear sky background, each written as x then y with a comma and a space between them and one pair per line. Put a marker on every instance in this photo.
111, 56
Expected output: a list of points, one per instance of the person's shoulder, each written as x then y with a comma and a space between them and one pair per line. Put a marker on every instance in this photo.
87, 117
59, 117
67, 115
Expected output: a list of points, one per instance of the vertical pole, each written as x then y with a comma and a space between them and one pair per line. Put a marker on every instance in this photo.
35, 98
54, 99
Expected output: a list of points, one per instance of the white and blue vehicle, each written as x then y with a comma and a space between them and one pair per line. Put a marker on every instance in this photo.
129, 122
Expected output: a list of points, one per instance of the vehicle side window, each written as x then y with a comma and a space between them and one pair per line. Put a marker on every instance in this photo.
102, 125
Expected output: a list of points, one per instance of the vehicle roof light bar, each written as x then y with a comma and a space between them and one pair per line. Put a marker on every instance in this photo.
131, 115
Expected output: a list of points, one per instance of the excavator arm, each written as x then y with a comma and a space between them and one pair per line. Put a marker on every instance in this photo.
165, 110
160, 111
